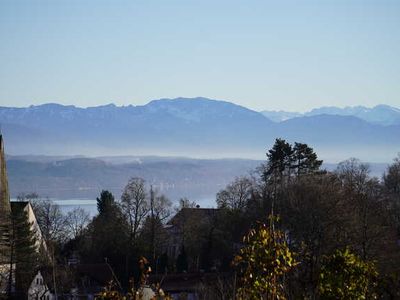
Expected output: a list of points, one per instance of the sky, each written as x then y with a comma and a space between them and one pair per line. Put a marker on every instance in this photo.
265, 55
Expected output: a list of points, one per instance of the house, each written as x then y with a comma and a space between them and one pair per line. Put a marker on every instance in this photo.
6, 267
7, 211
186, 222
41, 288
85, 281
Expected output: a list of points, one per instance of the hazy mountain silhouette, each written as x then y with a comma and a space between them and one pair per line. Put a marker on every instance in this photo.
380, 114
197, 127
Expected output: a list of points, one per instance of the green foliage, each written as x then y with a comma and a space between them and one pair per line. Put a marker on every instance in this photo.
345, 276
105, 202
106, 237
23, 249
279, 158
285, 160
263, 263
305, 159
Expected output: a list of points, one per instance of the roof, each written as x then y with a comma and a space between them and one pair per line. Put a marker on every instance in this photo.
47, 274
18, 205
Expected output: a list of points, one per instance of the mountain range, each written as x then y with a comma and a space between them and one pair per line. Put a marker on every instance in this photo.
198, 127
380, 114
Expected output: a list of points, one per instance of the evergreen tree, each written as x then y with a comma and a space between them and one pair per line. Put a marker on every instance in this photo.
280, 158
106, 238
24, 256
283, 160
106, 202
5, 251
305, 159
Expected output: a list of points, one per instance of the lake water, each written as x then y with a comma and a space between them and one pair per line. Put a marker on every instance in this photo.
87, 204
90, 205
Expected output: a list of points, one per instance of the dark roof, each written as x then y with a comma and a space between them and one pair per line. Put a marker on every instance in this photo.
193, 213
18, 205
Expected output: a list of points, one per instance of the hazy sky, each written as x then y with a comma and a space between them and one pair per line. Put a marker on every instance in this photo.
291, 55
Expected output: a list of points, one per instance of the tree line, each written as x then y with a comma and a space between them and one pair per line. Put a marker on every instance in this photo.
328, 221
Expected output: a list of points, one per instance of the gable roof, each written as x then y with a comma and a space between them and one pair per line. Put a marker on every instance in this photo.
18, 205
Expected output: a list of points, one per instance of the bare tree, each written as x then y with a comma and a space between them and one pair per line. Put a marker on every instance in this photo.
366, 210
185, 203
51, 220
236, 194
391, 177
160, 210
28, 197
162, 207
354, 174
76, 221
134, 205
391, 183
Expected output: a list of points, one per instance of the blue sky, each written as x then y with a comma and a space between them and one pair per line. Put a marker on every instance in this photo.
290, 55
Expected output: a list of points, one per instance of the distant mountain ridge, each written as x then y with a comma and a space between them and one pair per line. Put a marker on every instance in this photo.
379, 114
197, 127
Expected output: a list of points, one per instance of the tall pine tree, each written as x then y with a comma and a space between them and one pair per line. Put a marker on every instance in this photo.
23, 250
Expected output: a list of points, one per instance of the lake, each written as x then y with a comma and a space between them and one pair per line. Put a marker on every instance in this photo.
90, 205
87, 204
